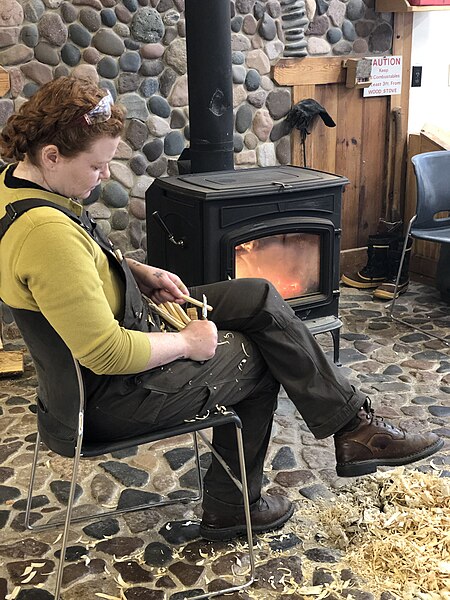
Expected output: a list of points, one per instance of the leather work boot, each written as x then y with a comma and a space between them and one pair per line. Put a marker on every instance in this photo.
376, 270
374, 443
267, 514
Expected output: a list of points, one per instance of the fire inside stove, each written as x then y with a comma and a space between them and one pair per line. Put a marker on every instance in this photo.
291, 261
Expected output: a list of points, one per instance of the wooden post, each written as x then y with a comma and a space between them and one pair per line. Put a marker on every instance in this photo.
5, 85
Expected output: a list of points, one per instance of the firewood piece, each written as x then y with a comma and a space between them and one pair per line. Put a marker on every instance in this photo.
11, 363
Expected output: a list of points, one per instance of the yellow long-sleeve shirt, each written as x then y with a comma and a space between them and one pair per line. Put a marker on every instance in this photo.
48, 263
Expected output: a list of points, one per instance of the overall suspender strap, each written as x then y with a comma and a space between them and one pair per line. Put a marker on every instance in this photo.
18, 208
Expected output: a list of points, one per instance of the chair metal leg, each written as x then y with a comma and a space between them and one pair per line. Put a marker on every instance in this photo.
397, 281
31, 484
243, 488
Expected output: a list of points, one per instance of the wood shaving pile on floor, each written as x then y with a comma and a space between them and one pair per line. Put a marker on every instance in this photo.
395, 530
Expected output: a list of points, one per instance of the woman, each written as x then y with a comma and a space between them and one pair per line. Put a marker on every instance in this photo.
54, 261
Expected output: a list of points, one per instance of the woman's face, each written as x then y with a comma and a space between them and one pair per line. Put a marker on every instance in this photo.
77, 177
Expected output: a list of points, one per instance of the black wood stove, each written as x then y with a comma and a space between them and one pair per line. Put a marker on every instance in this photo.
281, 223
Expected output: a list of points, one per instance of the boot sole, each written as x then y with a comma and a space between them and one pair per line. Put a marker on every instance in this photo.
362, 285
365, 467
226, 534
386, 295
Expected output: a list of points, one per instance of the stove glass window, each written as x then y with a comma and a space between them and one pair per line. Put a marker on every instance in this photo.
291, 261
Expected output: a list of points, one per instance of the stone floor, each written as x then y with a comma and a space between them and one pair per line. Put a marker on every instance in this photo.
156, 555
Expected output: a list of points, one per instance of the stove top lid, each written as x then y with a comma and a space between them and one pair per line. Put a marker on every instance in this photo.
226, 180
257, 180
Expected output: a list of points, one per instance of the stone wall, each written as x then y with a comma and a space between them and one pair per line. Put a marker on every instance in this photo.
136, 48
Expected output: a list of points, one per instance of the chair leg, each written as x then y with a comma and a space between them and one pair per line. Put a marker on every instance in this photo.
397, 281
70, 502
31, 484
243, 488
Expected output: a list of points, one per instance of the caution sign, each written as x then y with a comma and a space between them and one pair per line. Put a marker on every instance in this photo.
386, 76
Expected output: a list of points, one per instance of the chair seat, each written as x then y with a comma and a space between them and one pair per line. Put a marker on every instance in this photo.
215, 419
432, 235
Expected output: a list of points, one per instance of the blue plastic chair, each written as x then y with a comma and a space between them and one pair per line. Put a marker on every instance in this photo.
432, 170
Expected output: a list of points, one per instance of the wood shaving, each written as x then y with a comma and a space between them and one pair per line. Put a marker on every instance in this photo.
395, 529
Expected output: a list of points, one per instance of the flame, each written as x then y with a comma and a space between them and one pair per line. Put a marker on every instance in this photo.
290, 261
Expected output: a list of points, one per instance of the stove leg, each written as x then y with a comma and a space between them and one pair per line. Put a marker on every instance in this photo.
335, 334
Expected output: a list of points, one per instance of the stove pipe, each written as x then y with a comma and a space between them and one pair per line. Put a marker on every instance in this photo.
210, 84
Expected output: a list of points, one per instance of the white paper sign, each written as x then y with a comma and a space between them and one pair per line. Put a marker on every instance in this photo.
386, 76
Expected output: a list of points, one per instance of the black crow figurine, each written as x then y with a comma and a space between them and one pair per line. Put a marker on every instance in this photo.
303, 115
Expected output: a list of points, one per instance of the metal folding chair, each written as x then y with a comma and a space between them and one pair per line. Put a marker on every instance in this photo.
432, 219
64, 405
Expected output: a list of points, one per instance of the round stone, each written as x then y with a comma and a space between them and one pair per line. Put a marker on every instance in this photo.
334, 34
44, 53
79, 35
98, 210
120, 219
70, 54
147, 26
91, 56
109, 85
69, 12
342, 47
108, 42
171, 17
6, 110
149, 86
236, 23
152, 51
360, 46
11, 13
153, 149
108, 67
238, 73
123, 14
159, 106
175, 56
127, 82
157, 168
151, 68
348, 29
278, 103
131, 44
137, 209
355, 10
33, 11
61, 71
238, 142
174, 143
177, 119
237, 58
108, 17
115, 195
252, 80
166, 81
131, 5
381, 38
136, 133
267, 28
29, 35
130, 61
90, 19
249, 25
135, 105
244, 116
52, 29
283, 151
138, 164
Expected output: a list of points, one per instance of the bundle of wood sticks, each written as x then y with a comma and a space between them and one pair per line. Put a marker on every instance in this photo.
174, 314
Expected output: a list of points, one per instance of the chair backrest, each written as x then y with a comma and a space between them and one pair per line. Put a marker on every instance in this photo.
58, 392
432, 171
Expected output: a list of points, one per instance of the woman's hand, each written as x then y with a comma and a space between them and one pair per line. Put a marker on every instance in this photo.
159, 285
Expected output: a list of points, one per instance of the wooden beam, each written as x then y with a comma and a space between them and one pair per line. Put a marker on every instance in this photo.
401, 6
402, 44
309, 71
4, 82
